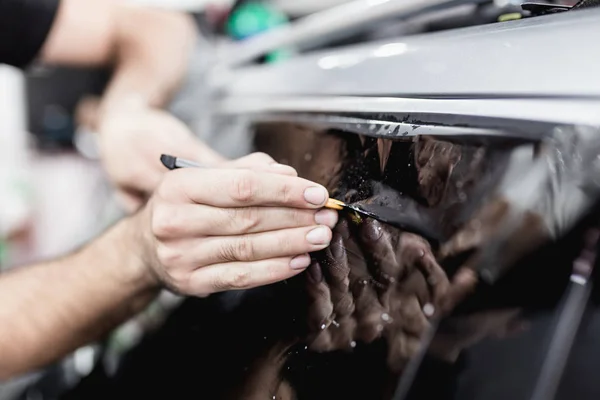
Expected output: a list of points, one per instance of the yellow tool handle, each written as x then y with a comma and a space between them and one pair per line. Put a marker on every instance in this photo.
334, 204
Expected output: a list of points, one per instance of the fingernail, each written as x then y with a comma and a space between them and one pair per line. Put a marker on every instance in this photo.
315, 272
315, 195
319, 236
337, 249
300, 262
327, 217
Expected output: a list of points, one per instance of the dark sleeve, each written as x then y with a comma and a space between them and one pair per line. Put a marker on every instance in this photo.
24, 26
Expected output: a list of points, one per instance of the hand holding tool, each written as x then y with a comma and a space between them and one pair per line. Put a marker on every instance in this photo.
382, 214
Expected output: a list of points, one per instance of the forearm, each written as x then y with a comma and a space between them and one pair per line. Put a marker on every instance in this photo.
152, 51
50, 309
148, 48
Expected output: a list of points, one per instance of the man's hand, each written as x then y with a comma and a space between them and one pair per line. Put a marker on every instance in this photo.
149, 52
131, 142
211, 230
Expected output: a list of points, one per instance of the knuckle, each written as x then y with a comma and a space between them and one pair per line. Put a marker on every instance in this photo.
263, 158
173, 184
247, 219
244, 248
164, 222
285, 193
163, 188
167, 256
171, 181
178, 283
235, 279
244, 187
241, 249
302, 217
227, 253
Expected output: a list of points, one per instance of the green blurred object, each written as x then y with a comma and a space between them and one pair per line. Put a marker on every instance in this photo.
509, 17
3, 253
254, 17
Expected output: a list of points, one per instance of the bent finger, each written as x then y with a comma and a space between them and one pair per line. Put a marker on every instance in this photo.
261, 246
241, 188
244, 275
377, 248
337, 273
319, 297
437, 279
187, 220
463, 283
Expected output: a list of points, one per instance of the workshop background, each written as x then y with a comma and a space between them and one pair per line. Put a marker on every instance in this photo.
54, 195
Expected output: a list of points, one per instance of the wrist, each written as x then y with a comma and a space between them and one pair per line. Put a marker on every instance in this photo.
127, 242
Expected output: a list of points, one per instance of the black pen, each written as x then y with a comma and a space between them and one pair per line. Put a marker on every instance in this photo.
176, 162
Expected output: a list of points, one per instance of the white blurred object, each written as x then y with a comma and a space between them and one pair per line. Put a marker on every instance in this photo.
85, 141
182, 5
72, 195
14, 203
296, 7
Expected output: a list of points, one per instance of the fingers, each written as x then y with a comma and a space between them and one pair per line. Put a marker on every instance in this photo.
193, 220
241, 275
401, 349
416, 253
377, 247
321, 307
368, 312
477, 230
241, 188
415, 285
280, 169
332, 305
437, 280
253, 247
252, 160
463, 283
465, 240
405, 330
336, 271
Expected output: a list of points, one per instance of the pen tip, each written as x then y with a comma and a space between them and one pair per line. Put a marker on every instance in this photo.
168, 161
